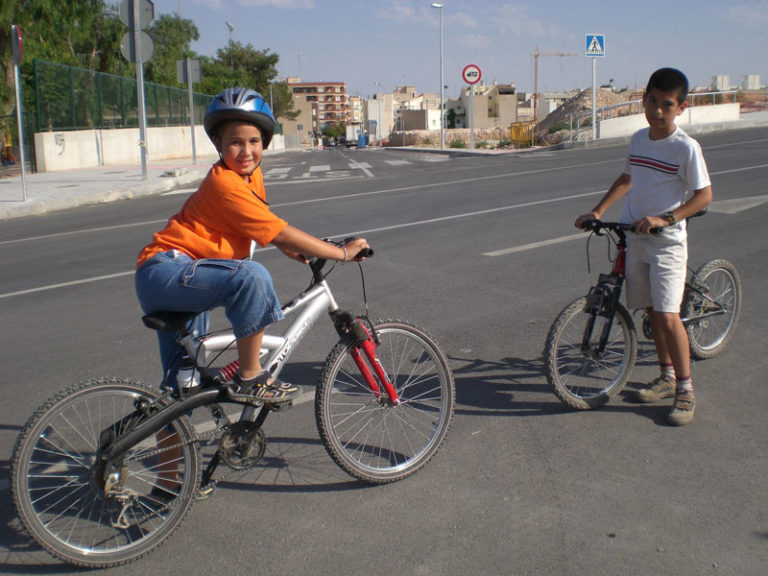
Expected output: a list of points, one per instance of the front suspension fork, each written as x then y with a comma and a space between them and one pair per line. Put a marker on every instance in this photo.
363, 353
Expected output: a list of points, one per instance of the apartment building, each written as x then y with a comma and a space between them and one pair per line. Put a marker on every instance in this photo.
320, 104
328, 99
495, 106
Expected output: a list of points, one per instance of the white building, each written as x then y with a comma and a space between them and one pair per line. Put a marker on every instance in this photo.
750, 82
720, 83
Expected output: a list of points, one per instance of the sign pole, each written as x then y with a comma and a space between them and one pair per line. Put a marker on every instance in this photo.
471, 75
594, 98
16, 45
472, 117
140, 89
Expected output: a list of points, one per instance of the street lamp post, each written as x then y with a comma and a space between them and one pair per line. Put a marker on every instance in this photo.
378, 108
231, 29
442, 123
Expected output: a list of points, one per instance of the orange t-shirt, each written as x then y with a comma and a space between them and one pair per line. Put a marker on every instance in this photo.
220, 219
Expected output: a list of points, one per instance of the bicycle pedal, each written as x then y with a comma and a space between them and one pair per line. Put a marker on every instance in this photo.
280, 406
205, 492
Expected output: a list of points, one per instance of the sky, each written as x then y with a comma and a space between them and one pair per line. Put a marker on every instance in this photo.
376, 45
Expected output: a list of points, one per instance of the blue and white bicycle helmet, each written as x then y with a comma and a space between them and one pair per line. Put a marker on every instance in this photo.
240, 104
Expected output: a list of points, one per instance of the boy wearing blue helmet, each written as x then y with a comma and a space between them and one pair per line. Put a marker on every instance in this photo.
198, 261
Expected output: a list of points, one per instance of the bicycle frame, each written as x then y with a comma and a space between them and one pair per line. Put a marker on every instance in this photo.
309, 307
612, 284
718, 308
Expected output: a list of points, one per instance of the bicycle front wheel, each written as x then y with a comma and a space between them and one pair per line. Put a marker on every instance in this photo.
582, 376
58, 484
366, 435
711, 315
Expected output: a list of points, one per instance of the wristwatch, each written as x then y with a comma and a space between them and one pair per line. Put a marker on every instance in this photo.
670, 217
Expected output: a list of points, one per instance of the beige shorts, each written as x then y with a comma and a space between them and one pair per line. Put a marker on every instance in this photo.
655, 272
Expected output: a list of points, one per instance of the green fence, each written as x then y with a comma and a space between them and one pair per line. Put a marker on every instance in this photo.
68, 98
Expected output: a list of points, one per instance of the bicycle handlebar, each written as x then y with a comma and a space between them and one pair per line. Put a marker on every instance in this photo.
619, 228
597, 225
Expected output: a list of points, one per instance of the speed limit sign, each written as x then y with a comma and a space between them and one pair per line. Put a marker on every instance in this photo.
471, 74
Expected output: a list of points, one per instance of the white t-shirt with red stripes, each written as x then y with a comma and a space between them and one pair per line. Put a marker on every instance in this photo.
663, 172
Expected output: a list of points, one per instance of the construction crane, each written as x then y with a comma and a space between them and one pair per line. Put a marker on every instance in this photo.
536, 54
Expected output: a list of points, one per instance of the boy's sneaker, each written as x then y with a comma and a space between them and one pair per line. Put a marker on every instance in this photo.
266, 388
682, 411
658, 389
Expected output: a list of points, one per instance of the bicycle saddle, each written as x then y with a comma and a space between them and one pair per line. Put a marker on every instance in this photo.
166, 320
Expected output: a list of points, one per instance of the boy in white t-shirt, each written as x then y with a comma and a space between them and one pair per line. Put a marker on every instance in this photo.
663, 165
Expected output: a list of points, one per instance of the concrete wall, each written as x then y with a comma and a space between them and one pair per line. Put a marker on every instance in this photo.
628, 125
79, 149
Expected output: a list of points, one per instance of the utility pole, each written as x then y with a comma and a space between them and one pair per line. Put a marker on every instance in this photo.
536, 54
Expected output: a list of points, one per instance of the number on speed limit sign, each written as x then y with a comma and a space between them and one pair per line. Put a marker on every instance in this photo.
471, 74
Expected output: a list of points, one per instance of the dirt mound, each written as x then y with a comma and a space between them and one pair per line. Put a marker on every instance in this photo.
555, 127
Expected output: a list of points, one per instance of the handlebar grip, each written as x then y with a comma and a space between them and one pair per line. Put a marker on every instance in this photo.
364, 253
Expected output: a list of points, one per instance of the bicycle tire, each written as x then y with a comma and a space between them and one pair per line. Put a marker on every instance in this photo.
58, 489
578, 380
720, 280
373, 440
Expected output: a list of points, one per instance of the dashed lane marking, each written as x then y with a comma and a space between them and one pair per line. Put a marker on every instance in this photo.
533, 245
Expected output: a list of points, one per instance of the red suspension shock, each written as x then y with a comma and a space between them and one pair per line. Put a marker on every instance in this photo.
228, 372
369, 349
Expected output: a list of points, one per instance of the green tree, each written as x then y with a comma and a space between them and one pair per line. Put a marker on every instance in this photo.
244, 65
86, 35
172, 37
282, 102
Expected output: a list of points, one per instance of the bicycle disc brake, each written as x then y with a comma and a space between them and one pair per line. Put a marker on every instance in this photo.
242, 445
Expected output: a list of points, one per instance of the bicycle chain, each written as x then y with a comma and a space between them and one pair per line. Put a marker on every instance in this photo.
198, 438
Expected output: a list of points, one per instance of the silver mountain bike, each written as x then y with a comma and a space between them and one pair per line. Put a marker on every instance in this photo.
105, 471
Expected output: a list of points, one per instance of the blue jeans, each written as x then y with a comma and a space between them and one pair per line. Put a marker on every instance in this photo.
172, 281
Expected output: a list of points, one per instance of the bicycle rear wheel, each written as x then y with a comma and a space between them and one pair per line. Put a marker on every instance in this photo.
587, 379
718, 309
366, 435
58, 483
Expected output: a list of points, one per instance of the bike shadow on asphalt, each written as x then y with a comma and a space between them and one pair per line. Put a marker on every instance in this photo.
518, 387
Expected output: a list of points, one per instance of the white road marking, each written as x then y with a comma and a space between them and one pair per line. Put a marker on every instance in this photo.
737, 205
361, 166
725, 206
534, 245
65, 284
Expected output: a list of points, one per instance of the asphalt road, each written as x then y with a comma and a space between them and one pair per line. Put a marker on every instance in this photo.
482, 252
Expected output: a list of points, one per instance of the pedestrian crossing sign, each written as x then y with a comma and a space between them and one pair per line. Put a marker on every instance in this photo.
595, 45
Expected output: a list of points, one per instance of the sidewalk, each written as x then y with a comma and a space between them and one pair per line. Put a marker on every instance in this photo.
50, 191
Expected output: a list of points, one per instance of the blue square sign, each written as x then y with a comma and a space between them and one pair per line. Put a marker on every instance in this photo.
595, 45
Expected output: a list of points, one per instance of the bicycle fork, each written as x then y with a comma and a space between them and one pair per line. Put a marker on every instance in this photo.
364, 349
601, 301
